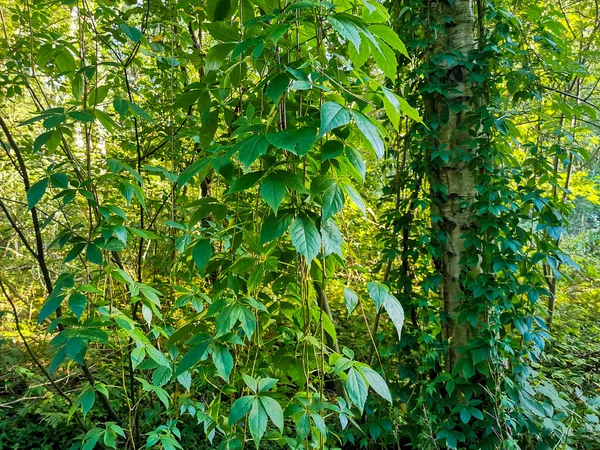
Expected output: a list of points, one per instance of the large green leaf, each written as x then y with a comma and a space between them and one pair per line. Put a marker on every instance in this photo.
356, 386
376, 382
396, 312
305, 237
223, 360
332, 238
191, 358
257, 420
274, 227
273, 409
240, 408
333, 115
346, 28
251, 148
371, 133
273, 190
36, 192
333, 201
201, 253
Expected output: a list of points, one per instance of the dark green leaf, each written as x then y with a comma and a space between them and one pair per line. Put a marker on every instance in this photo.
333, 115
305, 237
36, 192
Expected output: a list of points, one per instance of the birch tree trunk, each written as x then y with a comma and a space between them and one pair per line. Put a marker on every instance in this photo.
451, 178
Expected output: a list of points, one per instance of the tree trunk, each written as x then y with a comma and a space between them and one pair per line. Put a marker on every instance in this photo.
452, 180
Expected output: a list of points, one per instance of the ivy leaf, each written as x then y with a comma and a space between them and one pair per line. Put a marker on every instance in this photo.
305, 237
223, 361
250, 149
333, 115
273, 190
332, 238
257, 420
274, 226
35, 193
201, 253
371, 133
273, 409
356, 386
350, 299
77, 303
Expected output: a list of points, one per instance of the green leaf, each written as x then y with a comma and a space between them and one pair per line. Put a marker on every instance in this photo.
396, 312
54, 121
81, 116
371, 133
378, 293
87, 400
273, 409
376, 382
93, 253
277, 87
273, 190
157, 356
65, 60
356, 199
274, 227
77, 303
191, 358
223, 31
356, 386
36, 192
266, 383
395, 104
223, 361
137, 356
161, 376
140, 112
306, 137
201, 253
131, 32
390, 37
350, 299
345, 28
385, 58
355, 158
257, 420
240, 408
285, 140
217, 55
305, 237
250, 149
333, 115
246, 181
333, 201
332, 238
97, 95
